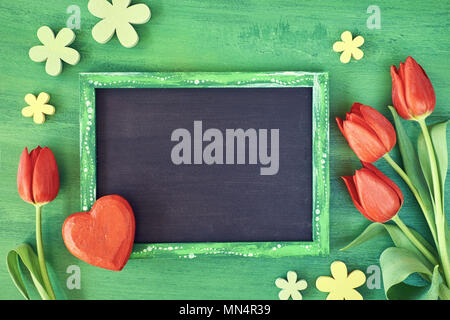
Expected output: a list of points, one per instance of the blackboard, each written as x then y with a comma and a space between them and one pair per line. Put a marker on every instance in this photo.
208, 164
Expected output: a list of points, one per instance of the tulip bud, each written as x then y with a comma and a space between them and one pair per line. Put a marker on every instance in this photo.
37, 176
412, 92
368, 132
376, 196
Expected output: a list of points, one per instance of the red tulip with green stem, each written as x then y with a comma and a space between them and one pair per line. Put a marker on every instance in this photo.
38, 184
414, 98
371, 137
379, 199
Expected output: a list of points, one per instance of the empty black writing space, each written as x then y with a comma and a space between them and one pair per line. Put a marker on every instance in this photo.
201, 202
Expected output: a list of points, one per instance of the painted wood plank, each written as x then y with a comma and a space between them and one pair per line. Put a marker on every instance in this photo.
195, 35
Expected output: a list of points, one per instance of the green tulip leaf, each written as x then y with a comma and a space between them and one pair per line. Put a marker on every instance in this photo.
413, 168
447, 236
373, 230
25, 253
397, 264
444, 292
438, 133
398, 237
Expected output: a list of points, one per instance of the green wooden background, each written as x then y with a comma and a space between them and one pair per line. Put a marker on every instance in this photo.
197, 35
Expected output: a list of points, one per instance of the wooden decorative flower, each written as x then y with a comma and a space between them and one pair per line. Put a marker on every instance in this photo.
341, 286
349, 47
38, 107
54, 49
118, 18
291, 287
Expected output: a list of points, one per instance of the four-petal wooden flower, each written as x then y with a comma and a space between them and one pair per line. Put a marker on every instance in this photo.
54, 49
291, 287
342, 285
349, 47
38, 107
118, 17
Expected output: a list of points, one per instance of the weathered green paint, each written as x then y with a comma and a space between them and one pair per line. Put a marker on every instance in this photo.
317, 81
221, 35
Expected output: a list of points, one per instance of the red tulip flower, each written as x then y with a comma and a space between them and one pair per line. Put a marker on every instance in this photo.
38, 184
376, 196
368, 132
412, 92
38, 177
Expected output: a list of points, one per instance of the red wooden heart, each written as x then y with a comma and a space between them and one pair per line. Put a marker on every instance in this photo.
103, 236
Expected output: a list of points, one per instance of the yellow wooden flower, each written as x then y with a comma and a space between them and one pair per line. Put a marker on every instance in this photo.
118, 17
38, 107
349, 47
54, 49
342, 285
291, 287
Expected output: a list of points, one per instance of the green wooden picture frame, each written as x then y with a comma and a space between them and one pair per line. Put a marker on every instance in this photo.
320, 166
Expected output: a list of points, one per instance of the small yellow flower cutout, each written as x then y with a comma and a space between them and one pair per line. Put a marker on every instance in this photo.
37, 107
118, 17
341, 286
291, 287
349, 47
54, 49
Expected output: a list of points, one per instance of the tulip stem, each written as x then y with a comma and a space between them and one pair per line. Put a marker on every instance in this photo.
415, 241
440, 215
40, 251
416, 194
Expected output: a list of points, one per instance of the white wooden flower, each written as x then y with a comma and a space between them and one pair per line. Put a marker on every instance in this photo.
118, 17
291, 287
54, 49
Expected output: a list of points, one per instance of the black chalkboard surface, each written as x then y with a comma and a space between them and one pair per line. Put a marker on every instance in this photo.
202, 202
